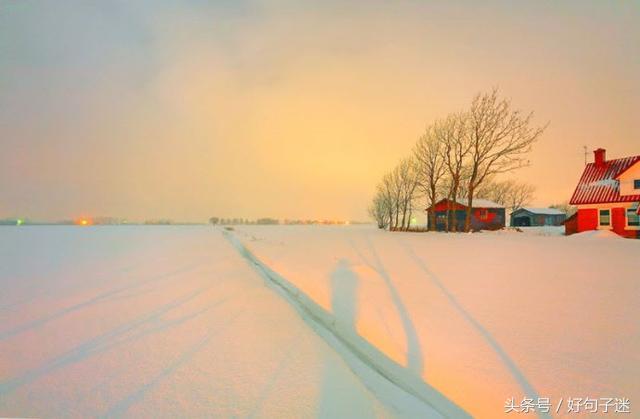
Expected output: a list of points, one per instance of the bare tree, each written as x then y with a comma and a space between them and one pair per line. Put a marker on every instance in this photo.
494, 191
393, 204
455, 148
389, 190
395, 185
379, 209
428, 154
520, 195
499, 137
509, 193
565, 207
407, 177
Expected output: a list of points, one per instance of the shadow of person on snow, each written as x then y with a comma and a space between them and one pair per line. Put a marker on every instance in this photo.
511, 366
337, 395
344, 285
415, 359
396, 386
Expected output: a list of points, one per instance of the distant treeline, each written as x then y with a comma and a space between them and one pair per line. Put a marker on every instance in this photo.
240, 221
91, 221
274, 221
14, 221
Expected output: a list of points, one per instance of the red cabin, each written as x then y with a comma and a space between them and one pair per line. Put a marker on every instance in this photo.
485, 215
608, 196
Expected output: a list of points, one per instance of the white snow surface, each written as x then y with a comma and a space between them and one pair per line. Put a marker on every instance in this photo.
308, 321
532, 231
158, 322
479, 317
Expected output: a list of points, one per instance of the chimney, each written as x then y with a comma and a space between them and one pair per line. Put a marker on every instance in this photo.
600, 157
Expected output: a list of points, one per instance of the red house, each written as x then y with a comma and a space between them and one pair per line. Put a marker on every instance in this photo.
608, 196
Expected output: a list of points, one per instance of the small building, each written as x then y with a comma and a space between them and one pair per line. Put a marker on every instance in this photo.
485, 214
530, 217
608, 196
571, 225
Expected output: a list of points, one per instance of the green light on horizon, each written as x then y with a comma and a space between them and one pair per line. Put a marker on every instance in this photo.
19, 222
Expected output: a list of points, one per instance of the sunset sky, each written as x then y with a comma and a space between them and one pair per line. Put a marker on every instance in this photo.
190, 109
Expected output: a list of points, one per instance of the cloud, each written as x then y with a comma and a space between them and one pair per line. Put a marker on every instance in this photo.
192, 109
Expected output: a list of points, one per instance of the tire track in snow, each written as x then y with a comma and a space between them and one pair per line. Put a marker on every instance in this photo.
105, 296
415, 361
98, 344
511, 366
391, 383
119, 409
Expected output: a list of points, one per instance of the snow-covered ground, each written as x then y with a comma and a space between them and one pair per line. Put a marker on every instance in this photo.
479, 317
303, 321
156, 322
534, 231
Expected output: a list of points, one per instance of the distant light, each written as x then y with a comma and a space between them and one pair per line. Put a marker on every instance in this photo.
414, 221
84, 221
19, 222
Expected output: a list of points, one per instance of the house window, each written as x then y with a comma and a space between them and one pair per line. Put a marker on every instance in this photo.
484, 213
633, 219
636, 184
605, 217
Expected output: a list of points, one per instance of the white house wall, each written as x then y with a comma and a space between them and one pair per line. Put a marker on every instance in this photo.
626, 180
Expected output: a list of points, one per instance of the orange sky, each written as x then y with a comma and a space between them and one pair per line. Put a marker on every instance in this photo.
247, 109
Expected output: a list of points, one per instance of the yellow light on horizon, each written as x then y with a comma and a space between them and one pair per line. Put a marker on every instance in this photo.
84, 221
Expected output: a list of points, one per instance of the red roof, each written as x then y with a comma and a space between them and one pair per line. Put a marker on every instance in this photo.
599, 184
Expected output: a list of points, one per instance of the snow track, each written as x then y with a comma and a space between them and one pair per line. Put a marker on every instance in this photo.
394, 385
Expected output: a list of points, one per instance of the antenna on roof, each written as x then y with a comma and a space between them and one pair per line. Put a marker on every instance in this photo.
586, 153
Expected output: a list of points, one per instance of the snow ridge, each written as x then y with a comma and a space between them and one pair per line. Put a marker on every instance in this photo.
394, 385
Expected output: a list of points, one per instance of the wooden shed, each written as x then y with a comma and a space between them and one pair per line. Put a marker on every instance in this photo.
530, 217
485, 214
571, 225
